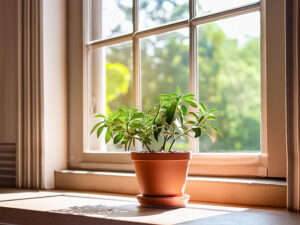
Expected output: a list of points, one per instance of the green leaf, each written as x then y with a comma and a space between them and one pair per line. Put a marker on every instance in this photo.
108, 135
116, 124
100, 115
191, 103
215, 129
189, 96
137, 115
197, 131
179, 117
96, 126
133, 110
123, 110
99, 131
203, 127
211, 118
170, 113
156, 134
118, 137
191, 122
178, 91
158, 131
211, 111
173, 95
118, 120
202, 106
118, 128
194, 115
184, 110
200, 119
123, 113
136, 125
135, 121
165, 96
114, 115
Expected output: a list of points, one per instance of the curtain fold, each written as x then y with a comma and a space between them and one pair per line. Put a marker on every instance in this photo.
30, 99
293, 106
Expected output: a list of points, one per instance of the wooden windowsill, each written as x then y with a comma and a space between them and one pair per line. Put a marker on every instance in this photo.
61, 207
247, 191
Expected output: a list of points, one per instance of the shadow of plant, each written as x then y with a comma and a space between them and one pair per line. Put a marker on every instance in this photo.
89, 209
111, 211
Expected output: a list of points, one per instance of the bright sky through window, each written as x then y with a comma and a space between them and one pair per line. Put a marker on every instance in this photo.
115, 15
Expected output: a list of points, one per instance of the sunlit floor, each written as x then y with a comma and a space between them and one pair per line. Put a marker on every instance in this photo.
59, 207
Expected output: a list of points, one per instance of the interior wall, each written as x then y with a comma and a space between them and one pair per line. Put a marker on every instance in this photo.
8, 90
8, 71
55, 88
275, 68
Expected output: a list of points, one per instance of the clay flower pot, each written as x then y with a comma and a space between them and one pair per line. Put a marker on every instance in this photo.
162, 177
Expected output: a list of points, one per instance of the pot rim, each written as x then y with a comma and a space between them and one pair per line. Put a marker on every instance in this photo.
180, 155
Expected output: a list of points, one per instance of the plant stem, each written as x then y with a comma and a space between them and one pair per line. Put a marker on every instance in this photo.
157, 128
164, 144
180, 136
175, 139
148, 148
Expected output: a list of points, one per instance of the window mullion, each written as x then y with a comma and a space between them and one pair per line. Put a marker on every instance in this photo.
96, 77
136, 58
193, 65
226, 14
136, 62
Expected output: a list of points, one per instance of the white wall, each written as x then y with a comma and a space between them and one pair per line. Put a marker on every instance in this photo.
55, 88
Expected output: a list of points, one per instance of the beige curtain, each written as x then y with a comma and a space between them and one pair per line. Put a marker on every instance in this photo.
30, 85
293, 105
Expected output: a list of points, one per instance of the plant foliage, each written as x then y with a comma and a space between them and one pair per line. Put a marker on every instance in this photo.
169, 120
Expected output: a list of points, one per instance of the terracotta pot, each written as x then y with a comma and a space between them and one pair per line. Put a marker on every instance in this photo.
161, 174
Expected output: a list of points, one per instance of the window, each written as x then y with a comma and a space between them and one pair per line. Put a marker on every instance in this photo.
227, 62
223, 53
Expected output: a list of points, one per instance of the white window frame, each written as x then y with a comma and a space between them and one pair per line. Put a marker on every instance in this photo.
270, 162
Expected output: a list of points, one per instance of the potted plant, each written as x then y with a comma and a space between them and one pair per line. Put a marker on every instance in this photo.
161, 173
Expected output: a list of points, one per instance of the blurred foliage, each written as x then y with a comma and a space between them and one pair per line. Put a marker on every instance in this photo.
117, 81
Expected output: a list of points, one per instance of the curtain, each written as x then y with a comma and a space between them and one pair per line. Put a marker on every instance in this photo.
293, 105
30, 99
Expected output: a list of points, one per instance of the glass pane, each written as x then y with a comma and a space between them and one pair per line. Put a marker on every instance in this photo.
165, 66
229, 81
111, 66
205, 7
157, 12
109, 18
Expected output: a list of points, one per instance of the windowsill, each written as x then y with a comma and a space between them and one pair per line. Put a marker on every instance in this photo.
247, 191
61, 207
207, 164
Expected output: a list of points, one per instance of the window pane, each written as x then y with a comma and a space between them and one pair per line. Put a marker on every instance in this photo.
157, 12
229, 81
205, 7
165, 66
111, 66
109, 18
